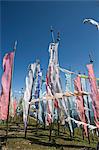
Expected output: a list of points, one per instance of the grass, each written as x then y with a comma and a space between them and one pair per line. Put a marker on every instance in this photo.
38, 138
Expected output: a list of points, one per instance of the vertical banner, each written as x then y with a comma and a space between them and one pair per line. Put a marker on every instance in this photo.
80, 102
13, 106
27, 95
40, 111
69, 99
94, 93
61, 102
6, 84
69, 88
84, 88
50, 82
49, 116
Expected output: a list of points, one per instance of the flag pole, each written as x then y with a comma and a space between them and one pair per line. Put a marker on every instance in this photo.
52, 34
50, 128
58, 121
14, 49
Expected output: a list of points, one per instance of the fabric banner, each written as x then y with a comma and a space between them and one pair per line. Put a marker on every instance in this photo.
70, 72
94, 93
69, 99
37, 84
49, 115
91, 127
83, 81
80, 102
69, 89
27, 95
50, 83
13, 106
61, 102
6, 84
40, 105
37, 93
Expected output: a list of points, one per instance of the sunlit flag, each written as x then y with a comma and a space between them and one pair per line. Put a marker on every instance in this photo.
27, 96
93, 22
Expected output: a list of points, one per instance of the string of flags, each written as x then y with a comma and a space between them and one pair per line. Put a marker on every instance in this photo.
54, 104
55, 98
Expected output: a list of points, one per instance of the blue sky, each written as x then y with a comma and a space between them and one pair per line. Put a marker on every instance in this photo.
29, 23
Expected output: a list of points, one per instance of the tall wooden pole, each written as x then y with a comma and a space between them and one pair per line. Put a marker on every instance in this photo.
68, 105
37, 109
58, 121
50, 128
52, 34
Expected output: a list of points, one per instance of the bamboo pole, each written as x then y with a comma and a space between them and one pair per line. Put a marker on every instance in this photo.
50, 128
58, 122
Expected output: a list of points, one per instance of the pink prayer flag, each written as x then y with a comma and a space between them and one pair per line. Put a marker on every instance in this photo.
6, 83
80, 103
94, 93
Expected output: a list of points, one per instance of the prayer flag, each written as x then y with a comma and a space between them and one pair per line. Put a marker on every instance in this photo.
80, 102
27, 95
94, 93
6, 84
